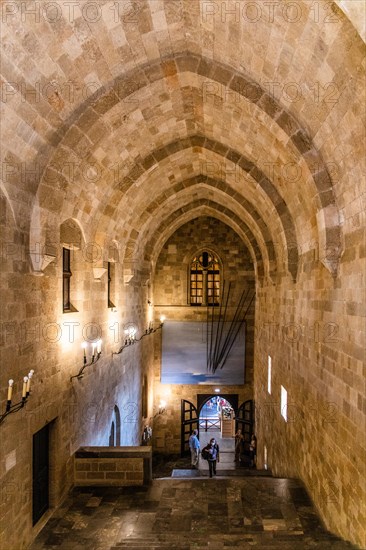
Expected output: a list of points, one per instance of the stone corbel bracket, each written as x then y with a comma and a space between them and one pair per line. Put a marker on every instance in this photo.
39, 262
98, 273
128, 274
330, 241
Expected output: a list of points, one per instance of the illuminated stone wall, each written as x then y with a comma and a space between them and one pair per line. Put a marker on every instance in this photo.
313, 332
36, 334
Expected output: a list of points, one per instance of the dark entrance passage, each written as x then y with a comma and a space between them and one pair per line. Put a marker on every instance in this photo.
244, 421
40, 473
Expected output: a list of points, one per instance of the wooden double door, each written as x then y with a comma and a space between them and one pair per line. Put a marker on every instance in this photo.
244, 421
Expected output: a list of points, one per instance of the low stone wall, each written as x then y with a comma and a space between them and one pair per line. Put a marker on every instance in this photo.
117, 466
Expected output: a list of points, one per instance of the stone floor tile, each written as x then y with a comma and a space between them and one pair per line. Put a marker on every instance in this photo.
190, 514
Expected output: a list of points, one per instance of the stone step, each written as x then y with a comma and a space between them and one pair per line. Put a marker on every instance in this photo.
265, 540
193, 474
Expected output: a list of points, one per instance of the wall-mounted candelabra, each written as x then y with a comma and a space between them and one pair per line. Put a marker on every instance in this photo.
130, 335
95, 356
12, 408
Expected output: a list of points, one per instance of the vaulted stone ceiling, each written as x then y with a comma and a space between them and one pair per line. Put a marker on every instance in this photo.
135, 117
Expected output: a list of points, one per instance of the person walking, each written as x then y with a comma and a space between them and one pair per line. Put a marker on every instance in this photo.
253, 451
194, 447
213, 453
239, 439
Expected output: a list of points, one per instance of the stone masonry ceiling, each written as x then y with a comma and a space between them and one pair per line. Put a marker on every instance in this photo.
133, 118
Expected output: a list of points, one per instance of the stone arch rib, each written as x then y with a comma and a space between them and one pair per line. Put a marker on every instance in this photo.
123, 86
246, 165
222, 186
168, 221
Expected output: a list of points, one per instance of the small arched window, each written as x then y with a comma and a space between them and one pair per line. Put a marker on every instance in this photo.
205, 280
71, 239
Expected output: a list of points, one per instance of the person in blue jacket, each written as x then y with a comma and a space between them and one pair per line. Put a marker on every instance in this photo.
194, 446
213, 456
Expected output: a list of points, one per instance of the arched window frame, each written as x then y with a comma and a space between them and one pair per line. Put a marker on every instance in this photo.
208, 280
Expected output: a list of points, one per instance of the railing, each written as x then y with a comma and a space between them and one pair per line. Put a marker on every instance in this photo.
210, 423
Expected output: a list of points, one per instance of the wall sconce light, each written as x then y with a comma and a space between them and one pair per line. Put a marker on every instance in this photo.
96, 353
25, 394
161, 409
130, 335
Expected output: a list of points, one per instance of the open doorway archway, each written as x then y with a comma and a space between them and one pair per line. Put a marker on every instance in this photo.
115, 430
223, 407
217, 414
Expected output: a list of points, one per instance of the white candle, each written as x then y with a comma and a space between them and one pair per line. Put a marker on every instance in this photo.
94, 345
30, 374
83, 345
99, 346
25, 382
10, 389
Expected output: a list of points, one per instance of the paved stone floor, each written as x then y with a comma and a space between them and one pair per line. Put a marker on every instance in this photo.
189, 514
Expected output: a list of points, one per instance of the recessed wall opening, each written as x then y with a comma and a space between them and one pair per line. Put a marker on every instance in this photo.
284, 403
41, 473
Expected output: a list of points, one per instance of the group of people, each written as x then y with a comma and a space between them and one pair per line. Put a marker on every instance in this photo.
212, 451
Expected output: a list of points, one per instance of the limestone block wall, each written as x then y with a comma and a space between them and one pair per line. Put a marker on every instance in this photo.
35, 334
314, 332
106, 466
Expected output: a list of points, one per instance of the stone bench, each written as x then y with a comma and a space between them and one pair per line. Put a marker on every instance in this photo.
112, 466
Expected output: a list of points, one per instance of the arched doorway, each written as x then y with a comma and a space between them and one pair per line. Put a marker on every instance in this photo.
117, 419
112, 434
115, 430
217, 414
217, 420
240, 417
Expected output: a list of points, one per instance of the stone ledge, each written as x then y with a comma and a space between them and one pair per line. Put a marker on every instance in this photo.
114, 452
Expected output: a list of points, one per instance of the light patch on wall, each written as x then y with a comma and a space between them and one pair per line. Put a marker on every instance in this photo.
10, 460
265, 458
284, 403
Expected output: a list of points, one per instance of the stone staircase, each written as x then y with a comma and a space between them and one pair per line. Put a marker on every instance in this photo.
240, 472
285, 540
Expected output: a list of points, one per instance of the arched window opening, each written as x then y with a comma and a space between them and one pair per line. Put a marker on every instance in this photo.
112, 435
66, 277
71, 239
205, 280
111, 282
117, 420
